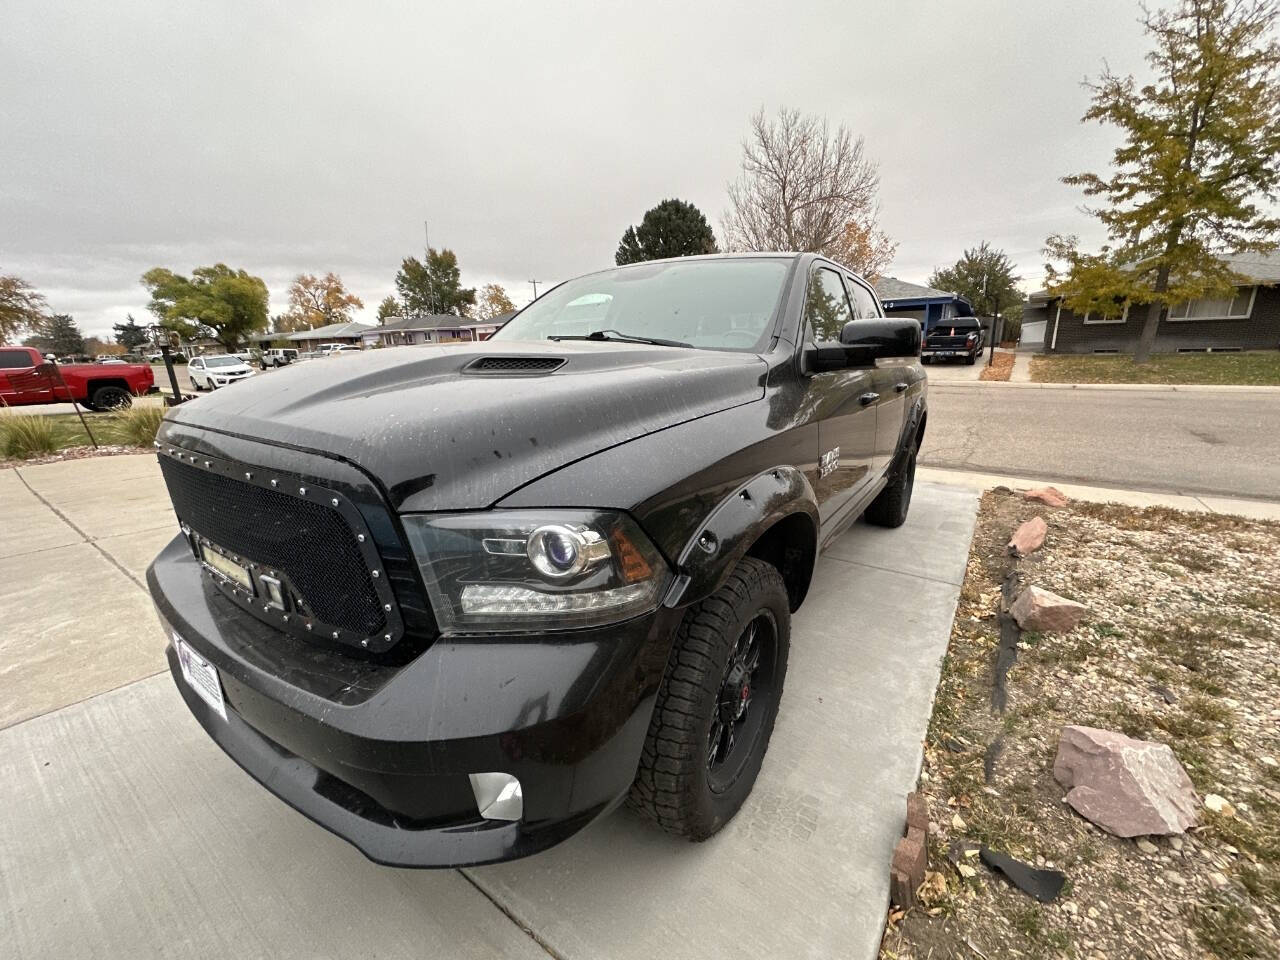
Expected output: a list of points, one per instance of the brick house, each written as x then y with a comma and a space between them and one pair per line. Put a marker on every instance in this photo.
1247, 320
432, 328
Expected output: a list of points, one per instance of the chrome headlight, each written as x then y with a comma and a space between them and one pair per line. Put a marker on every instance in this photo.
523, 570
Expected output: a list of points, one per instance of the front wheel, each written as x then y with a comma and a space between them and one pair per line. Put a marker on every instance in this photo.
716, 705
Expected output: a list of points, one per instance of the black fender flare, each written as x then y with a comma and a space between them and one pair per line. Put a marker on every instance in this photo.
910, 433
737, 522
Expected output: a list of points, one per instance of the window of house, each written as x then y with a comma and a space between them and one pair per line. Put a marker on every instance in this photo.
1120, 316
1237, 307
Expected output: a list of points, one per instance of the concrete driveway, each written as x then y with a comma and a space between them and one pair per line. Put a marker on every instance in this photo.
128, 833
949, 371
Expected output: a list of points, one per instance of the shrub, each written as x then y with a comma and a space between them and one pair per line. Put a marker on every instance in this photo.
138, 425
25, 435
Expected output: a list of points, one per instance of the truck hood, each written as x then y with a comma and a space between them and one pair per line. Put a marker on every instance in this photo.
439, 432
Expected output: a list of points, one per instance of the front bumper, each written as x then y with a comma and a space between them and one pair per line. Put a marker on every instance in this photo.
379, 752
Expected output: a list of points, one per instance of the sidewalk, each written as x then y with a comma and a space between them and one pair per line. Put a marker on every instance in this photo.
1252, 509
1021, 372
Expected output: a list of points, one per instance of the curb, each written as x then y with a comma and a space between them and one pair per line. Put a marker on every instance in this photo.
1198, 503
1139, 387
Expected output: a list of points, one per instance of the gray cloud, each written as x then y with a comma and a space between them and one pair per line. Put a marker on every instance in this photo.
318, 136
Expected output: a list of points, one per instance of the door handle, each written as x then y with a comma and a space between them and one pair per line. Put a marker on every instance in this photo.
899, 387
868, 398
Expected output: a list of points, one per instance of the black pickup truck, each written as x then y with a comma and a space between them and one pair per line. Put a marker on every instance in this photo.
454, 603
956, 338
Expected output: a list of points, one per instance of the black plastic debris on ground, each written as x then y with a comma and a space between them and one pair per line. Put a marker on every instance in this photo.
1044, 885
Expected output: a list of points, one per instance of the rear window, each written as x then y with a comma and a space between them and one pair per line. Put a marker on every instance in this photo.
959, 324
14, 359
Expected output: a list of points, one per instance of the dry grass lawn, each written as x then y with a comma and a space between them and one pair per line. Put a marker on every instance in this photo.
1252, 368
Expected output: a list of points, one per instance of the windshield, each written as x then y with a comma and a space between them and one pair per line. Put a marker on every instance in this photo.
223, 362
716, 304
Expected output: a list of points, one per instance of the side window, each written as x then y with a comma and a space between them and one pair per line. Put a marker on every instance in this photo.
14, 359
864, 301
826, 308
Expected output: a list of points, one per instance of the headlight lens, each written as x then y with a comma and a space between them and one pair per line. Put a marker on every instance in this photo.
521, 570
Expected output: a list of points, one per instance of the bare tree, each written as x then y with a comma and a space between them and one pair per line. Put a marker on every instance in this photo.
801, 187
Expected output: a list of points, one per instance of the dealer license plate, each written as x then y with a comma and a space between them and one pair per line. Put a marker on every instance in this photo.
201, 676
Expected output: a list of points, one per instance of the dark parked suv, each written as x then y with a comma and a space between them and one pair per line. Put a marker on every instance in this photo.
454, 603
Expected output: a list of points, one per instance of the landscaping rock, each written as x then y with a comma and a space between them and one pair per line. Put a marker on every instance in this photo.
1046, 612
1130, 788
1028, 537
1049, 496
910, 859
1219, 805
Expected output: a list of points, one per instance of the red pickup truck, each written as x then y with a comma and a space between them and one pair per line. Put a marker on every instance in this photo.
27, 378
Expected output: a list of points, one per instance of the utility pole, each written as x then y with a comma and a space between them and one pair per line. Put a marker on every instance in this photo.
535, 288
426, 265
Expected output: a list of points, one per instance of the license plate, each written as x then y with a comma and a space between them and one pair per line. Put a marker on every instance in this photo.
221, 563
201, 676
944, 353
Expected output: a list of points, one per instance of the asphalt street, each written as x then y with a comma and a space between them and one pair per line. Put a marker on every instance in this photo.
1211, 442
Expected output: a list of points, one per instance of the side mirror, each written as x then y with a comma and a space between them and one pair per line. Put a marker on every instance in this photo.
874, 339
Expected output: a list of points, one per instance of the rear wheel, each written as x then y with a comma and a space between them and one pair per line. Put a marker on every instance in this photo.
971, 359
716, 705
889, 509
111, 398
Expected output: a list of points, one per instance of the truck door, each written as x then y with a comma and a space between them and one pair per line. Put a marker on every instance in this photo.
890, 382
13, 365
843, 400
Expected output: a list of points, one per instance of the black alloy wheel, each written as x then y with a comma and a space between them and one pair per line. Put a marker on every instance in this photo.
748, 683
717, 704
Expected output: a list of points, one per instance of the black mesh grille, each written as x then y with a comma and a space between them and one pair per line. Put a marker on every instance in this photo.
310, 543
516, 364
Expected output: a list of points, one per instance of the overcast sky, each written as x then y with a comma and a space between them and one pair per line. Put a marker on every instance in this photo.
318, 136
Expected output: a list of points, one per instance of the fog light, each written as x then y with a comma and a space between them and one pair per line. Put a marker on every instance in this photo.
498, 796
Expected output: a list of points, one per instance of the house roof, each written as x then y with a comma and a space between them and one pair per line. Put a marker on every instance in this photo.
333, 330
432, 321
891, 288
1258, 267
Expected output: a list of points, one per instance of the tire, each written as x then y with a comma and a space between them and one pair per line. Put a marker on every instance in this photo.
111, 398
889, 509
715, 711
971, 359
926, 360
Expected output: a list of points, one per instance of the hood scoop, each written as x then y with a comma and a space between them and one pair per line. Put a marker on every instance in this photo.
514, 365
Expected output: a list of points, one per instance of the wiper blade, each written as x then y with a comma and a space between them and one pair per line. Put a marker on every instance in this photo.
620, 337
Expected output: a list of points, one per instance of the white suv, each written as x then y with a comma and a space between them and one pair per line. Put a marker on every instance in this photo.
209, 373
